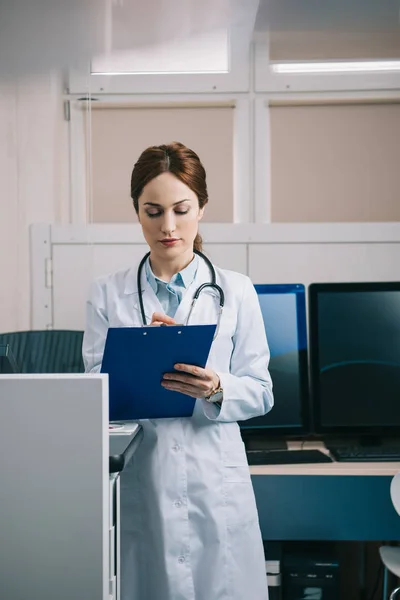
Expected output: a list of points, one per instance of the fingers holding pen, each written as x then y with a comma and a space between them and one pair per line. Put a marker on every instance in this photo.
159, 318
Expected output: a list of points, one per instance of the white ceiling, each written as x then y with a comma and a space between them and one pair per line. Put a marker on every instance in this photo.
38, 35
43, 34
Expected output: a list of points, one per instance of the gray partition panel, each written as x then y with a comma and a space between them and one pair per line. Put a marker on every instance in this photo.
54, 487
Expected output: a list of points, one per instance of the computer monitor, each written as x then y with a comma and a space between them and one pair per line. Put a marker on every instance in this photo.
8, 364
355, 357
284, 313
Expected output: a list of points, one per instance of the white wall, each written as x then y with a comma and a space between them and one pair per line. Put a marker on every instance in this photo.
34, 176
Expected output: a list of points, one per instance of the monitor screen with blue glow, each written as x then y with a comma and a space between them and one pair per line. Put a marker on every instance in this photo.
284, 313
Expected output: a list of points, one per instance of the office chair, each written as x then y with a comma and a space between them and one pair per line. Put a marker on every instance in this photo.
49, 351
390, 555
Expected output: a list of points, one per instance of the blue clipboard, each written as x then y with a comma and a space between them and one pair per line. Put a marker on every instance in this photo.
136, 359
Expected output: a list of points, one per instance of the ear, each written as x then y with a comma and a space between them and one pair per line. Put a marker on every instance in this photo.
201, 213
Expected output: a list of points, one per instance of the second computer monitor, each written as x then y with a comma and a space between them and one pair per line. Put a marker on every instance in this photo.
284, 314
355, 357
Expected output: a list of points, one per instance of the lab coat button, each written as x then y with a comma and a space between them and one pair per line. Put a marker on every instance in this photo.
176, 448
181, 559
178, 503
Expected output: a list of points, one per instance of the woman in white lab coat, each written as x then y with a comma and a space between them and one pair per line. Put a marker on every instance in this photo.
190, 528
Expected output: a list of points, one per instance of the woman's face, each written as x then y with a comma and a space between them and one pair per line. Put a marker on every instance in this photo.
169, 214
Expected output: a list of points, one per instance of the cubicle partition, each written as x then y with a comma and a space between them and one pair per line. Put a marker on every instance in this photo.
54, 498
66, 258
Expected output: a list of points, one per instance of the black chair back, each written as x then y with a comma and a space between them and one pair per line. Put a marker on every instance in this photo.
49, 351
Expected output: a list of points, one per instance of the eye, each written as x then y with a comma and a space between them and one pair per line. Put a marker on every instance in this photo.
182, 212
153, 214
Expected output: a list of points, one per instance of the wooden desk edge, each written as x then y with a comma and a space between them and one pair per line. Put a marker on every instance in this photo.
334, 468
374, 469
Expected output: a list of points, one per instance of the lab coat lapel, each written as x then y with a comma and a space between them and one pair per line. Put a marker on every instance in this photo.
150, 300
204, 311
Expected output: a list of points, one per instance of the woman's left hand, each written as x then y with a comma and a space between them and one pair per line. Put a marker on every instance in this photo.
193, 381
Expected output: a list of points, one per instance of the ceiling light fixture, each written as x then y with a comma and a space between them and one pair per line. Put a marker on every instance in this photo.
336, 67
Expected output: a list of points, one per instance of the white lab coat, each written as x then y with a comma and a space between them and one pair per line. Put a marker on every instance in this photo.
190, 527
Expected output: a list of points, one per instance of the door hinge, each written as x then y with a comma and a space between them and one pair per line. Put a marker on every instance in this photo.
49, 272
67, 110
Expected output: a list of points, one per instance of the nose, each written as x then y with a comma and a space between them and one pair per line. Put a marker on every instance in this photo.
168, 225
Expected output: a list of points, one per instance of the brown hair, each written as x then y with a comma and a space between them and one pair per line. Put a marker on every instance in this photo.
174, 158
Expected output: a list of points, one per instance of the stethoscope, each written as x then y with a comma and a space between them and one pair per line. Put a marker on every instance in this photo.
197, 293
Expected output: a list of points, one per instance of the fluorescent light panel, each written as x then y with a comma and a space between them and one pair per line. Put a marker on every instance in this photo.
336, 67
111, 73
206, 53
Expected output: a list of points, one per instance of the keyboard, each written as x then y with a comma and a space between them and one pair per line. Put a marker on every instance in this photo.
365, 453
286, 457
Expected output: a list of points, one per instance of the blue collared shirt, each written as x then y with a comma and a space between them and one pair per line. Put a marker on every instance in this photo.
170, 293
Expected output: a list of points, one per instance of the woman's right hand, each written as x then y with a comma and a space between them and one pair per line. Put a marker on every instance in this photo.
159, 318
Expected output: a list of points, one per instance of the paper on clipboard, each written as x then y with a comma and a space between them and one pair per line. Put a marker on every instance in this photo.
136, 359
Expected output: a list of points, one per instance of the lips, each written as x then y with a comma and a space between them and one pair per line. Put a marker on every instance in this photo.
169, 242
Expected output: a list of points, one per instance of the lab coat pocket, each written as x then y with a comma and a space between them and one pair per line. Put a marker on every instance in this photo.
239, 502
236, 469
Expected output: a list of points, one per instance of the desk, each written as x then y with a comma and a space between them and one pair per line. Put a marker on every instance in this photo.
326, 501
122, 448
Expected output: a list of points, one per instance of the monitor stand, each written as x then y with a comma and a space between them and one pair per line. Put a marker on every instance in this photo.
367, 440
261, 441
370, 440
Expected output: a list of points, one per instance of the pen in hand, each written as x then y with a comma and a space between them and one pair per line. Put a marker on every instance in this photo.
159, 318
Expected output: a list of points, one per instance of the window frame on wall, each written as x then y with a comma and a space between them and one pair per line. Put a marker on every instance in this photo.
252, 152
262, 135
268, 81
270, 87
236, 80
80, 184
